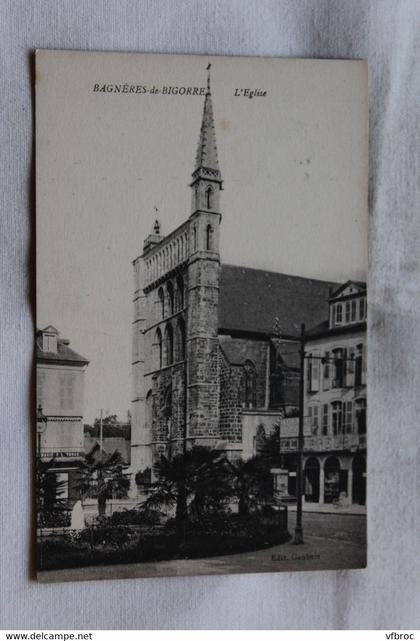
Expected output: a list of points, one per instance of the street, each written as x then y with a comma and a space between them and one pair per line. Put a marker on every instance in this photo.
331, 541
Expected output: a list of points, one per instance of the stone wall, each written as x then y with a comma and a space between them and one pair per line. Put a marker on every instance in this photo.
234, 354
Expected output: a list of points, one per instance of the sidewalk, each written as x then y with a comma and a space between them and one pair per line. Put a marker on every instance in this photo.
317, 553
330, 508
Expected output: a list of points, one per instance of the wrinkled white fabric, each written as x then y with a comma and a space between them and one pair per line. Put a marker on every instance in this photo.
387, 594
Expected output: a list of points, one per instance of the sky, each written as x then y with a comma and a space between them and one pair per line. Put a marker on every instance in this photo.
294, 165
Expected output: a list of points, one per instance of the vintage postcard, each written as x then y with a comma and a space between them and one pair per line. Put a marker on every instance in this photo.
201, 315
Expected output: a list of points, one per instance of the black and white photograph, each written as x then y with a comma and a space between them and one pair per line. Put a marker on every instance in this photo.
201, 354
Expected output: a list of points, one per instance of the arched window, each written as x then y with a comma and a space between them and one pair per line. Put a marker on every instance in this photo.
209, 198
249, 385
149, 409
161, 300
194, 237
157, 349
180, 340
170, 291
179, 293
169, 345
209, 237
260, 439
331, 479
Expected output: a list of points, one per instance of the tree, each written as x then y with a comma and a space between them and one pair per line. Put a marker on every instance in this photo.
111, 427
104, 478
270, 451
252, 483
49, 490
194, 482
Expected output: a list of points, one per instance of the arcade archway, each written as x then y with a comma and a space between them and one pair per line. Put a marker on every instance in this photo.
312, 470
359, 479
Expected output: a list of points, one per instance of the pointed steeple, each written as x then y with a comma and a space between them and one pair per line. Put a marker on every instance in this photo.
206, 162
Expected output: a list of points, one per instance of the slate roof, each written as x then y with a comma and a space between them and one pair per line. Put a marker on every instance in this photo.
64, 352
323, 329
251, 299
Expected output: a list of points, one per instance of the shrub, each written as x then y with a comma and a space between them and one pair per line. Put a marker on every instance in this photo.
54, 518
106, 544
142, 516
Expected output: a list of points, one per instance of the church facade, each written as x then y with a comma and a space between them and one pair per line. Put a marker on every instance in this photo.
209, 366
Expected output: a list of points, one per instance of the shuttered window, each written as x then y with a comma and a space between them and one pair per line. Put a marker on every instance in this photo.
348, 417
67, 391
325, 419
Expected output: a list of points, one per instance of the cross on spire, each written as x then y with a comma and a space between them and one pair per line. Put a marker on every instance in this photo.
156, 226
208, 77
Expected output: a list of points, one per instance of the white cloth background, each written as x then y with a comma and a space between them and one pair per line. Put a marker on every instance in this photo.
387, 594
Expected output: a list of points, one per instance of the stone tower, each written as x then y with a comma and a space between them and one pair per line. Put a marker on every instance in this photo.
175, 364
203, 285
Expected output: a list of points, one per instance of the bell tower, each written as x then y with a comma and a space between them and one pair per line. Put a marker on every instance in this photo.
203, 285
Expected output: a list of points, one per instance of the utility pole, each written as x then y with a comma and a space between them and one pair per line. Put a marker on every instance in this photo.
101, 433
298, 540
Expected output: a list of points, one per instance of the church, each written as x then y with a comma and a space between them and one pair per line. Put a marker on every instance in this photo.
209, 365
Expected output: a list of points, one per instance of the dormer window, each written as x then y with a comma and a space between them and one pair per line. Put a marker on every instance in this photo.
348, 312
338, 314
49, 343
347, 304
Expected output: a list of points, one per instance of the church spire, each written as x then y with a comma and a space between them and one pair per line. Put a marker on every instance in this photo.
206, 162
206, 178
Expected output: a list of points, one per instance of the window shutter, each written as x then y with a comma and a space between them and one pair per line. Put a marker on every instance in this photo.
348, 427
315, 423
350, 368
344, 374
315, 373
326, 372
363, 365
309, 373
325, 419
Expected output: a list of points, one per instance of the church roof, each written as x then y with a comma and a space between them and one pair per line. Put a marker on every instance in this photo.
206, 156
252, 299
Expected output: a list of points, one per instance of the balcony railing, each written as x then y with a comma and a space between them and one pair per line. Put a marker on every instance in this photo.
324, 443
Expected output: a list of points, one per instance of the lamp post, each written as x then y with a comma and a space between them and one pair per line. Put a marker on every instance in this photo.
41, 426
298, 540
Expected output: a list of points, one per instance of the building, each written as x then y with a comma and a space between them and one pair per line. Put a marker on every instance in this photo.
110, 445
334, 446
60, 375
208, 365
